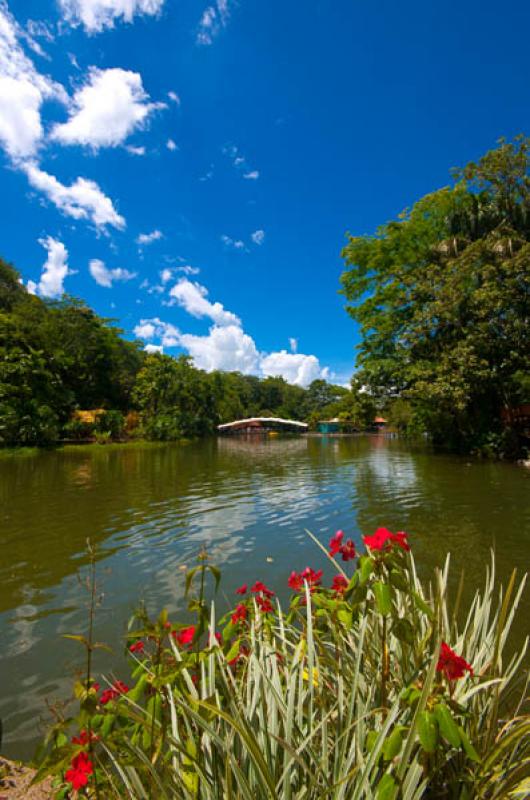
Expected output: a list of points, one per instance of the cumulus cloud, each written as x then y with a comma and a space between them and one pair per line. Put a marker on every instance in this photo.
148, 238
253, 175
226, 348
193, 298
258, 237
54, 270
171, 145
157, 328
83, 199
23, 90
293, 344
173, 96
166, 275
105, 276
106, 110
95, 15
294, 367
135, 151
154, 348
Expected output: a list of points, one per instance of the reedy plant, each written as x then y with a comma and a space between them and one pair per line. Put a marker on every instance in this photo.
351, 692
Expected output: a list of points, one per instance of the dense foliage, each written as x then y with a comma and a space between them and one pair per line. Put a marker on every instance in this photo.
377, 687
59, 357
443, 298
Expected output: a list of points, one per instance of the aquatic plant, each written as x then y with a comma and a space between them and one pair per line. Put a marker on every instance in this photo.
379, 686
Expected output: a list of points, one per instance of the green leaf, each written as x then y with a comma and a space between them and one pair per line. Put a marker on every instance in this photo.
398, 579
217, 575
366, 565
403, 630
423, 606
427, 731
234, 650
386, 788
447, 725
383, 597
393, 744
190, 574
468, 747
81, 639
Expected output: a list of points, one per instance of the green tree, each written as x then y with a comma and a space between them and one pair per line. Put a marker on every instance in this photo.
174, 398
443, 299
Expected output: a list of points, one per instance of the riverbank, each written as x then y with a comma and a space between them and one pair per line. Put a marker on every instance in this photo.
15, 783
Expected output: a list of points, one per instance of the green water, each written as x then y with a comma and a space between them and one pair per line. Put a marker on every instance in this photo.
150, 509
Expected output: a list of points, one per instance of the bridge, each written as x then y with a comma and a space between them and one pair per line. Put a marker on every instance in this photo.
263, 425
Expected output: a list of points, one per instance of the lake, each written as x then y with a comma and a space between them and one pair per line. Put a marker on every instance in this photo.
149, 510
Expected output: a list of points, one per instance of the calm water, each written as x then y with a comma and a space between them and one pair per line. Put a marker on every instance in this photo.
150, 509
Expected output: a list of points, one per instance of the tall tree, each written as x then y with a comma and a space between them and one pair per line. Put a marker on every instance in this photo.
443, 299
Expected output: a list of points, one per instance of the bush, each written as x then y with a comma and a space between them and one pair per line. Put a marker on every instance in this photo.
79, 429
111, 423
377, 687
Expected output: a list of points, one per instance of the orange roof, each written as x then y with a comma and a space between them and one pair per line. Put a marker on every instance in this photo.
380, 419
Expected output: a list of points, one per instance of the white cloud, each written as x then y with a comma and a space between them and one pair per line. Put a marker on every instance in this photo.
156, 328
226, 348
147, 238
171, 145
105, 276
236, 244
83, 199
240, 162
166, 275
214, 18
173, 96
22, 92
154, 348
293, 344
258, 237
106, 110
192, 297
187, 269
135, 151
294, 367
54, 270
96, 15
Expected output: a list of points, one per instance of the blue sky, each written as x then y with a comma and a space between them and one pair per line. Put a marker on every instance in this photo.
243, 140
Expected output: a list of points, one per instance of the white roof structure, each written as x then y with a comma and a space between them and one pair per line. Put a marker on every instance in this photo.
238, 422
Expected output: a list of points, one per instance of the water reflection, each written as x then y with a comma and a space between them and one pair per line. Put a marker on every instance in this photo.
150, 509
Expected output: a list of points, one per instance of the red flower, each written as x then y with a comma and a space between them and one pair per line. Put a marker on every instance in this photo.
95, 687
383, 539
335, 543
218, 638
295, 581
242, 589
264, 604
137, 647
339, 584
243, 651
83, 738
184, 636
313, 578
260, 587
451, 665
81, 768
240, 614
118, 687
348, 551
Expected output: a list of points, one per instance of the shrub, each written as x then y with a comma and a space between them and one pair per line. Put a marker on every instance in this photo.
111, 423
376, 687
79, 429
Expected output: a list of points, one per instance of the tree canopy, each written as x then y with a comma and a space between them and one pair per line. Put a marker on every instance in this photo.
442, 295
